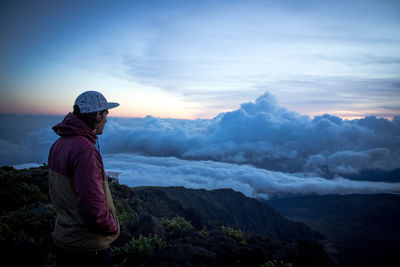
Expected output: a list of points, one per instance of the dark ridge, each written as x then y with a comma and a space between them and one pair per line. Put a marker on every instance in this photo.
224, 207
364, 229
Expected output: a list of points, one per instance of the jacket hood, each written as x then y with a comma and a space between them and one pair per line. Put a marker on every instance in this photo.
72, 125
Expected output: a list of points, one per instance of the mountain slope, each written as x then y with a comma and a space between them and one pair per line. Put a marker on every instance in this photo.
363, 228
224, 207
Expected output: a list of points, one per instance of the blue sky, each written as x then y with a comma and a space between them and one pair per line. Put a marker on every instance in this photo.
195, 59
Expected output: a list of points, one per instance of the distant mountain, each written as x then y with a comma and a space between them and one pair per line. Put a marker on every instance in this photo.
364, 229
376, 176
224, 207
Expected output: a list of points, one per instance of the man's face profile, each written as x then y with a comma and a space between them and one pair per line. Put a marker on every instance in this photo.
102, 122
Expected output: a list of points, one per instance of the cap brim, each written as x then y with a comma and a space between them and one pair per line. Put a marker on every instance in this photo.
111, 105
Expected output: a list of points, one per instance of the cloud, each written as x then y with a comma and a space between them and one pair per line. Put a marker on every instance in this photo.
26, 138
260, 133
340, 95
350, 162
136, 170
266, 135
204, 54
33, 148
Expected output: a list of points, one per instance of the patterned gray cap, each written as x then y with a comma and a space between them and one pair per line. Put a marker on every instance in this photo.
93, 101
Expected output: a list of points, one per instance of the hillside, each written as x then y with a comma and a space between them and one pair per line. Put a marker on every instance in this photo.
364, 229
157, 229
224, 207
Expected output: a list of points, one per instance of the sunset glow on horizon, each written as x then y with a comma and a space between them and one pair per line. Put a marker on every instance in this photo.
190, 60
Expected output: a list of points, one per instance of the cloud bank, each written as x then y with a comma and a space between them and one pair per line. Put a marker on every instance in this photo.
266, 135
260, 149
260, 133
136, 170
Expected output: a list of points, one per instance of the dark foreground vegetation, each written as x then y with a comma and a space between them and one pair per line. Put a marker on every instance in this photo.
160, 227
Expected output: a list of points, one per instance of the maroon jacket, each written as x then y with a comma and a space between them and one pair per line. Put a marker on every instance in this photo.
77, 172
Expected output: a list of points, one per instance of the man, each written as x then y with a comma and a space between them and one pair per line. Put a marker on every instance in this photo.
86, 219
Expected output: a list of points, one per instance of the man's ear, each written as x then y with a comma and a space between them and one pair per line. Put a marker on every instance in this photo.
98, 117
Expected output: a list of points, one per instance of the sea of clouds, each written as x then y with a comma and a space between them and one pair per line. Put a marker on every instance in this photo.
268, 136
259, 149
138, 170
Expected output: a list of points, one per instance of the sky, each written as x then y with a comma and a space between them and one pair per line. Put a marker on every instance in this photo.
197, 59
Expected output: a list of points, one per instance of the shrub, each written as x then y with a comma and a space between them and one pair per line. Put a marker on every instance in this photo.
177, 224
27, 232
133, 251
203, 232
235, 234
18, 190
33, 223
275, 263
124, 215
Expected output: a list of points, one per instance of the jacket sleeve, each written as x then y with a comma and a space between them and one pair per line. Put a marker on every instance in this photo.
91, 199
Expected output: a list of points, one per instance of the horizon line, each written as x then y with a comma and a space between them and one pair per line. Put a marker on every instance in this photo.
344, 118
